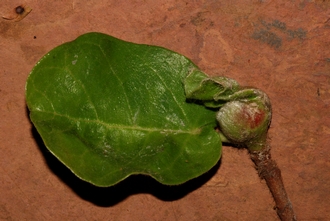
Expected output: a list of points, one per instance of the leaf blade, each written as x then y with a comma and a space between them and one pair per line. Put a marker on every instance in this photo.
108, 109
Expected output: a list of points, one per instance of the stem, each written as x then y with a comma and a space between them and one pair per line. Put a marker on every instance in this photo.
268, 170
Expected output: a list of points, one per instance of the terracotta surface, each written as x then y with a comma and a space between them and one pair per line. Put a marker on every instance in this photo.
281, 47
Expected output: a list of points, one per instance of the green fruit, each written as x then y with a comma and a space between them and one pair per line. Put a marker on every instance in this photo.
246, 121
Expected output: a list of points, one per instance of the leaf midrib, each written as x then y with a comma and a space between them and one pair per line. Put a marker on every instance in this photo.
194, 131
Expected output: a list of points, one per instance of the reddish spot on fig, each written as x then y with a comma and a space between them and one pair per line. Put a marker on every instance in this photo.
253, 116
259, 118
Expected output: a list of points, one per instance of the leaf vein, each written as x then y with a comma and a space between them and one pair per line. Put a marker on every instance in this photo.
82, 85
193, 131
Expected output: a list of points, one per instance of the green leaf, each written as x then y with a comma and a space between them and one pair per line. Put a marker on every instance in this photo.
108, 109
213, 92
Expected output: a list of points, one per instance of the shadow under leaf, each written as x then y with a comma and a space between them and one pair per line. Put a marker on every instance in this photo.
135, 184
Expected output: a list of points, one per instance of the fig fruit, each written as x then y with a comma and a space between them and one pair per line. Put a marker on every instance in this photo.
246, 121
